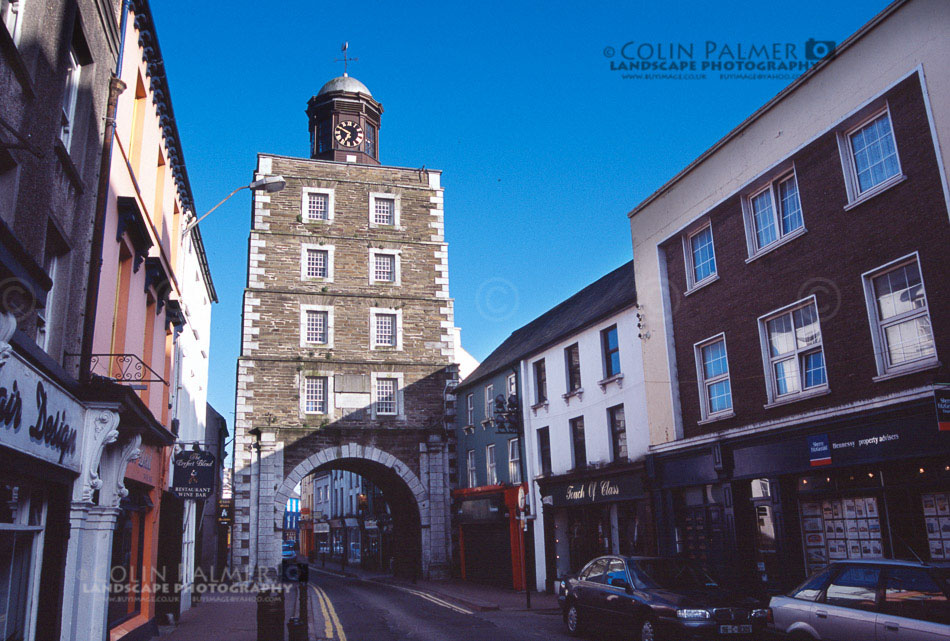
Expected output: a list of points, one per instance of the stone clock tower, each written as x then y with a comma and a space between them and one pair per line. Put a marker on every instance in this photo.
348, 345
344, 122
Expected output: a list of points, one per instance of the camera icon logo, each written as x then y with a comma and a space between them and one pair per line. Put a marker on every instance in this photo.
818, 49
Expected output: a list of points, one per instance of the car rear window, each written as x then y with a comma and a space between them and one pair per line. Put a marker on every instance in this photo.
915, 594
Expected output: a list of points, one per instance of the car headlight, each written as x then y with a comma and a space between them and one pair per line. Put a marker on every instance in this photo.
693, 614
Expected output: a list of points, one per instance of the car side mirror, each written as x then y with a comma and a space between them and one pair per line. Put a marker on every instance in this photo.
620, 583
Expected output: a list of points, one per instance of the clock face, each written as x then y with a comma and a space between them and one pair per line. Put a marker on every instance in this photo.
348, 133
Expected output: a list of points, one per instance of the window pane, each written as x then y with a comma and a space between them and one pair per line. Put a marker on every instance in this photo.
875, 155
385, 396
316, 263
618, 432
316, 395
317, 206
781, 340
786, 377
720, 396
544, 450
316, 327
704, 258
899, 291
580, 445
514, 461
385, 268
763, 218
813, 365
790, 206
714, 360
855, 587
807, 331
910, 340
386, 329
384, 211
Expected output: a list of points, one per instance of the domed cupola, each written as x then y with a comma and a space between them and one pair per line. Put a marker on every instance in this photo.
344, 122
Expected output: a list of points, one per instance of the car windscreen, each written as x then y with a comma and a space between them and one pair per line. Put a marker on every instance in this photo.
675, 574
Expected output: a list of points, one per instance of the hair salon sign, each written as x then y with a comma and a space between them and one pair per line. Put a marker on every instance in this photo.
36, 416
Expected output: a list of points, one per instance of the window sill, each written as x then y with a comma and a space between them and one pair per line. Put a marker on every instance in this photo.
579, 393
787, 238
801, 396
616, 378
893, 181
69, 166
385, 348
468, 429
716, 418
537, 406
709, 280
315, 221
486, 423
896, 372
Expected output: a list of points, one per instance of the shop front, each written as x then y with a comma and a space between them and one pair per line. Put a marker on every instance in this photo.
41, 430
489, 535
863, 487
595, 512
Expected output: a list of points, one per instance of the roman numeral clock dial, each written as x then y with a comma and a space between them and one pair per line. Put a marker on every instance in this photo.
348, 133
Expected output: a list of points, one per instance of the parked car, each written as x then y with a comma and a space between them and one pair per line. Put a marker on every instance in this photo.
866, 600
657, 598
289, 550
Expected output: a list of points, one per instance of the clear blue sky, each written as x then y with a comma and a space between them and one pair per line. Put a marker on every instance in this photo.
544, 149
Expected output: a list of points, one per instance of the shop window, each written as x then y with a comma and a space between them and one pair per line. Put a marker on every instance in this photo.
128, 543
22, 517
841, 528
937, 521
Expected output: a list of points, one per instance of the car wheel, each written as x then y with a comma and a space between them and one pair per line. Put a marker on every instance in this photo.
648, 630
572, 618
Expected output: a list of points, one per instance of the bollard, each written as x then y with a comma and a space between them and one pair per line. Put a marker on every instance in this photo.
270, 614
296, 630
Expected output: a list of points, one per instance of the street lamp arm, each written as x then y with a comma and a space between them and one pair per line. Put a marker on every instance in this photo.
194, 223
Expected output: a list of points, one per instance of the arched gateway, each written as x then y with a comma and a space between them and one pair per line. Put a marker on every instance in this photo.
348, 342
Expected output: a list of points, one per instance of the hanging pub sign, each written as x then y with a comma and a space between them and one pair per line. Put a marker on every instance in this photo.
226, 511
194, 475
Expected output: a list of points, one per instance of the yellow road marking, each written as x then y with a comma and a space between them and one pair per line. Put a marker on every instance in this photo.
327, 624
329, 606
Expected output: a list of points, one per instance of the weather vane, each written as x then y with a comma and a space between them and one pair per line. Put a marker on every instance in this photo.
345, 59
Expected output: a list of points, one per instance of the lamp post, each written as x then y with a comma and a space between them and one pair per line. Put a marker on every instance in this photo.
269, 184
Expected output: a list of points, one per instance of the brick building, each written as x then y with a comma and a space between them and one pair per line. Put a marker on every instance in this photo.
349, 338
796, 318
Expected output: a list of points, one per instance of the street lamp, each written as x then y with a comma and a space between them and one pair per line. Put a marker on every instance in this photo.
269, 184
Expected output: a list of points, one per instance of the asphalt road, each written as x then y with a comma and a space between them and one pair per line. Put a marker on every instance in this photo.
347, 609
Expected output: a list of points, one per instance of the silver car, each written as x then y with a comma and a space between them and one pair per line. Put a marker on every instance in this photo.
878, 600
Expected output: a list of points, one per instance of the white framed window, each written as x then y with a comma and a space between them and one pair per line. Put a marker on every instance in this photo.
317, 262
792, 351
317, 205
869, 156
70, 96
11, 12
470, 409
387, 394
316, 326
700, 254
385, 328
773, 214
22, 525
384, 210
45, 315
901, 330
316, 395
511, 384
712, 373
472, 470
490, 467
385, 267
514, 461
489, 402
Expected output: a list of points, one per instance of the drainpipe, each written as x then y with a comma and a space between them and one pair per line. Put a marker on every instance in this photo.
116, 87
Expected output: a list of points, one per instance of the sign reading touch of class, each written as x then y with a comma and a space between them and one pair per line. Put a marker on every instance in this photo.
614, 488
194, 475
37, 417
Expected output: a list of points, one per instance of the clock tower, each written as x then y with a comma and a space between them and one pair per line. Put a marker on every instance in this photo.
344, 122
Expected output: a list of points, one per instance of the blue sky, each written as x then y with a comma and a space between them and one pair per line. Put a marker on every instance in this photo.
543, 148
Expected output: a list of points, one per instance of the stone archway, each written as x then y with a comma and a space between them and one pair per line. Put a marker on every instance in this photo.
369, 455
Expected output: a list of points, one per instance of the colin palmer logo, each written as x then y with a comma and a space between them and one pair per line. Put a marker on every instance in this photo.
714, 56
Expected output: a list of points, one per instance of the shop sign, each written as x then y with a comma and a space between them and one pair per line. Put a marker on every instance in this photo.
146, 468
194, 475
481, 510
603, 490
351, 522
36, 416
370, 524
226, 511
942, 400
321, 528
819, 451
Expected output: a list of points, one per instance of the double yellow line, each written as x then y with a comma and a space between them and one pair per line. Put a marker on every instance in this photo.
330, 619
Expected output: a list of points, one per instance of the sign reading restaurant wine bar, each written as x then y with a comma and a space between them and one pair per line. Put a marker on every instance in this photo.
194, 475
36, 416
599, 490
